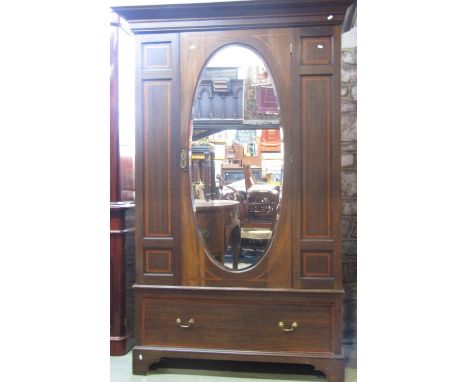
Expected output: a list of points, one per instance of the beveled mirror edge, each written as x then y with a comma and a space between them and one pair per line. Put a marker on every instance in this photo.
277, 222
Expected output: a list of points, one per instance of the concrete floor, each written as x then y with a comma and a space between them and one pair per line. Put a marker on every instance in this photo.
208, 371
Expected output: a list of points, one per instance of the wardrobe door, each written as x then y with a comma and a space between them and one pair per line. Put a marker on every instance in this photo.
199, 268
156, 162
316, 158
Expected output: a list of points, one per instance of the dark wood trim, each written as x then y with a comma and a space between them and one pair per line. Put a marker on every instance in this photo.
168, 281
177, 146
121, 345
256, 356
230, 290
121, 339
328, 363
316, 70
139, 211
336, 155
242, 15
296, 161
229, 24
317, 244
235, 9
157, 242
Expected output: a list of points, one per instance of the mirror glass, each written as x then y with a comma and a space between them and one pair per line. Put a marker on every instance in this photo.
236, 162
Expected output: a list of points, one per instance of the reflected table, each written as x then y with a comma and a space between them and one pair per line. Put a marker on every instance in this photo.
219, 224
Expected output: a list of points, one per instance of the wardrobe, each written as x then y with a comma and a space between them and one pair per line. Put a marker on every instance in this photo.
286, 307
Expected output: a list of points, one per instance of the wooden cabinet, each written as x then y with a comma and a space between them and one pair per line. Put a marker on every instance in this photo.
188, 306
218, 223
121, 322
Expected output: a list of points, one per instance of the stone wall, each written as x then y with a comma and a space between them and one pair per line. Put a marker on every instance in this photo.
349, 182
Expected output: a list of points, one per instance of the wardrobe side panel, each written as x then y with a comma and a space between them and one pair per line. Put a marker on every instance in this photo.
316, 157
157, 231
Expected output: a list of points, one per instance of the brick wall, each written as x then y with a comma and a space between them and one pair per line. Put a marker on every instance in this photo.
349, 181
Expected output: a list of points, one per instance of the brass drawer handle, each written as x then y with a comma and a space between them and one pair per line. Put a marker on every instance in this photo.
292, 328
189, 324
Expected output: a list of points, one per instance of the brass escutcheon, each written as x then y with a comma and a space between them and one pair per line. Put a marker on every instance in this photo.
183, 159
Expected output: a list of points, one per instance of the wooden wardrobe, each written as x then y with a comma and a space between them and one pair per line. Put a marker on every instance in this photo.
287, 308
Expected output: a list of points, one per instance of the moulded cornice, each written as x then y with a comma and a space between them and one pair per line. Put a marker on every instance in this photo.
235, 14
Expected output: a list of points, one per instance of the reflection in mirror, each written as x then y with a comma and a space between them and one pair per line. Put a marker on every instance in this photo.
236, 157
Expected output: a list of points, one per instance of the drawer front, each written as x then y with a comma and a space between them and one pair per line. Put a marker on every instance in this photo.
237, 325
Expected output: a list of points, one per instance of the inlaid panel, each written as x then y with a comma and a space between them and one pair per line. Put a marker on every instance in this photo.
316, 264
157, 261
231, 324
157, 162
316, 156
316, 50
156, 56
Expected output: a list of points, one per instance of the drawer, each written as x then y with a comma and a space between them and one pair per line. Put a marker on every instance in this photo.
240, 325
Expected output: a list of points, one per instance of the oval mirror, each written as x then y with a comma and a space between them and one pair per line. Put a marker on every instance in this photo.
236, 160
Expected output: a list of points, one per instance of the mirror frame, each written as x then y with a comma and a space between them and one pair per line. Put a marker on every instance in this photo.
278, 220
